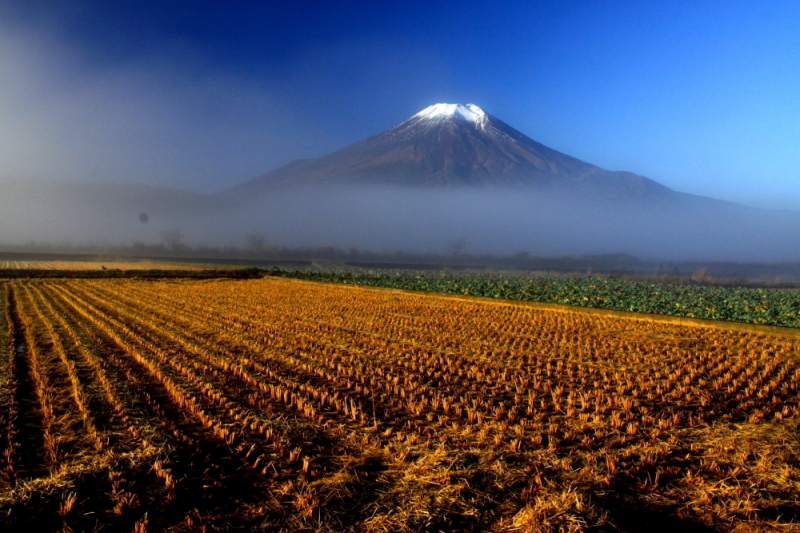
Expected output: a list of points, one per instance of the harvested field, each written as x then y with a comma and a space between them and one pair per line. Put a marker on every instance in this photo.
279, 404
96, 265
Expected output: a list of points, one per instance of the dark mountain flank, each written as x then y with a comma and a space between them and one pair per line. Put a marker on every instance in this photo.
455, 145
449, 174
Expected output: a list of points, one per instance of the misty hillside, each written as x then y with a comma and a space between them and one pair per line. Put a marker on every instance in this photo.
455, 172
450, 173
454, 145
77, 213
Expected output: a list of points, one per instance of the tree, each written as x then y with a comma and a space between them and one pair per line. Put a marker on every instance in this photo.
256, 242
173, 239
457, 247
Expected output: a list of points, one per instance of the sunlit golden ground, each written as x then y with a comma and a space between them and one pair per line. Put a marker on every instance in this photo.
96, 265
279, 404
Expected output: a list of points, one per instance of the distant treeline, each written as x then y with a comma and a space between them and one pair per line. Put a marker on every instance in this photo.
235, 273
785, 274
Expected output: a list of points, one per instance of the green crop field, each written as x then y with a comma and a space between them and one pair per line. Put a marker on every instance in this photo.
776, 307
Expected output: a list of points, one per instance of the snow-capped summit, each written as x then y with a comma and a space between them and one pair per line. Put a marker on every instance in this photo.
469, 112
452, 145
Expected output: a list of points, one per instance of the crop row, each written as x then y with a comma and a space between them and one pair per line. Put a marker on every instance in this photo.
266, 382
84, 388
478, 376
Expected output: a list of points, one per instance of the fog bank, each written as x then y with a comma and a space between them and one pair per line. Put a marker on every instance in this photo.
389, 219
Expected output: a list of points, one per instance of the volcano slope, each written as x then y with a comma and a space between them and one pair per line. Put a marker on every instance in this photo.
453, 146
289, 405
454, 172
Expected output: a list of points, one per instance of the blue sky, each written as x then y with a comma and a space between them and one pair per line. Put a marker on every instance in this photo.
703, 97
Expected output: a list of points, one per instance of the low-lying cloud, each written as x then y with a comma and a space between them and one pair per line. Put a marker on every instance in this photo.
390, 219
163, 118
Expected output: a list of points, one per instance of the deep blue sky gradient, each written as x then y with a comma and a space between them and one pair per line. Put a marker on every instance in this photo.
703, 97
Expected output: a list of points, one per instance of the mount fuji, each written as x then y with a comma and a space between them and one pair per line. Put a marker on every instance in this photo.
450, 173
456, 146
454, 171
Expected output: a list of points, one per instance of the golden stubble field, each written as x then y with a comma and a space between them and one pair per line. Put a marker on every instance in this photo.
281, 405
96, 265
